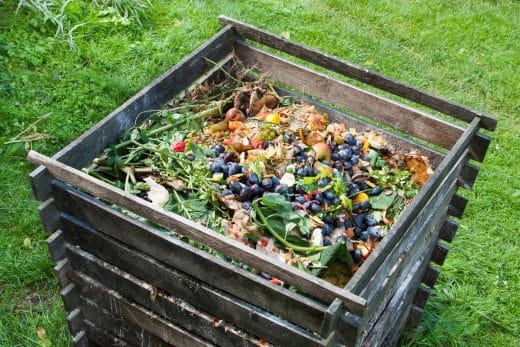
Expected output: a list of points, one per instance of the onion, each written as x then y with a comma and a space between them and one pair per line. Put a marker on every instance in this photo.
234, 114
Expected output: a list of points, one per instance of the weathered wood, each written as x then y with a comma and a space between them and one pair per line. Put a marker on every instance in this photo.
347, 329
119, 326
361, 74
82, 150
70, 297
366, 272
198, 263
448, 230
49, 215
404, 118
439, 254
209, 238
421, 296
60, 271
102, 337
333, 314
75, 321
55, 245
468, 176
135, 314
414, 316
431, 275
80, 339
457, 206
216, 303
399, 142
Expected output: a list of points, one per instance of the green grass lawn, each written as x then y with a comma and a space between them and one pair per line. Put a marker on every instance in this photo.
468, 51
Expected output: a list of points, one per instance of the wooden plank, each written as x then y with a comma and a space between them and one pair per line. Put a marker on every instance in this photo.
209, 238
207, 268
361, 74
49, 215
439, 254
347, 329
135, 314
70, 297
457, 206
60, 271
468, 176
399, 142
414, 317
401, 117
431, 275
102, 337
376, 259
80, 339
120, 327
75, 321
449, 230
421, 296
330, 320
83, 150
55, 245
214, 302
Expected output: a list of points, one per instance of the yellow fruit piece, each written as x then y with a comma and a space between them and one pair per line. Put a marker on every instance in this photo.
273, 118
365, 146
360, 198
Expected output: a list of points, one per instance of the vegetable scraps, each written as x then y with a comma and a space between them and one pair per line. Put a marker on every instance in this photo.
268, 171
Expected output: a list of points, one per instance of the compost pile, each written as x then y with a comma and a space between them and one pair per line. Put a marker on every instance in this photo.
269, 171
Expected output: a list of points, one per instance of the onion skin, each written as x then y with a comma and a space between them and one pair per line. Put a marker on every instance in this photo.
234, 114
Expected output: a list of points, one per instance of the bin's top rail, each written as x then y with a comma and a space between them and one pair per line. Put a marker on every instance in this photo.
234, 249
361, 74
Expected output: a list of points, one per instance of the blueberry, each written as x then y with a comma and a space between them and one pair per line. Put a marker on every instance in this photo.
301, 172
341, 238
234, 169
190, 157
358, 230
356, 208
245, 194
370, 220
336, 201
344, 146
327, 218
359, 220
327, 242
354, 160
247, 205
376, 191
214, 167
256, 190
218, 149
301, 158
363, 236
276, 180
315, 208
373, 233
356, 150
300, 190
291, 190
266, 144
266, 276
338, 165
288, 138
235, 186
224, 168
320, 198
307, 204
226, 192
345, 154
351, 140
329, 195
281, 189
335, 156
347, 224
347, 165
253, 178
267, 183
353, 190
326, 162
322, 182
357, 256
364, 206
297, 150
300, 199
326, 229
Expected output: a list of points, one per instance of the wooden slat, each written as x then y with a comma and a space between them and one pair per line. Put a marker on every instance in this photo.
414, 317
198, 263
361, 74
439, 254
421, 296
457, 206
82, 150
209, 238
55, 245
49, 215
449, 230
135, 314
102, 337
245, 316
354, 99
80, 339
70, 297
431, 275
60, 271
376, 259
75, 321
399, 142
347, 329
331, 318
468, 176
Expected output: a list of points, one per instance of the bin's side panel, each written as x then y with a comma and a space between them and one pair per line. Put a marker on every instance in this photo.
84, 149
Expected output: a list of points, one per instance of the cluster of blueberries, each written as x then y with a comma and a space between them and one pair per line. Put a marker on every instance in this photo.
343, 157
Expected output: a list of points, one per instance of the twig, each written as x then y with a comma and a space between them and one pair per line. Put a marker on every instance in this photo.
15, 139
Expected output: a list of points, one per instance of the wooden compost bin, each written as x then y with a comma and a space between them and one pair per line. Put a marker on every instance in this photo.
124, 282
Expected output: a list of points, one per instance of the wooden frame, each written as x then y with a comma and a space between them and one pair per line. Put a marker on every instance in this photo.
175, 288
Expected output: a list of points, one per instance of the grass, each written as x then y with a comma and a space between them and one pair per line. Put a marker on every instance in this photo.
467, 51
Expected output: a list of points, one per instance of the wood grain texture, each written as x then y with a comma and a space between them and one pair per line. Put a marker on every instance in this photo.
414, 317
56, 245
49, 215
102, 337
401, 117
75, 321
205, 267
80, 340
70, 297
185, 227
439, 254
468, 176
135, 314
457, 206
431, 275
361, 74
421, 296
449, 230
185, 291
84, 149
376, 259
